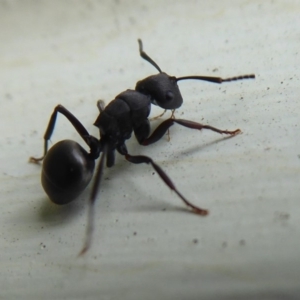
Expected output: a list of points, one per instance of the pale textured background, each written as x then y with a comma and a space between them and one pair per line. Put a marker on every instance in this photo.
75, 52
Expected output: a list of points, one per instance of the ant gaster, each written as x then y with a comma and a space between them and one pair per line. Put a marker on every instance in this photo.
68, 168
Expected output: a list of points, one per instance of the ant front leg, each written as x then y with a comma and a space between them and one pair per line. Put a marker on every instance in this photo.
158, 116
50, 128
168, 132
165, 125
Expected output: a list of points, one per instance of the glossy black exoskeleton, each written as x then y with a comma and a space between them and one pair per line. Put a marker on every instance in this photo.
68, 168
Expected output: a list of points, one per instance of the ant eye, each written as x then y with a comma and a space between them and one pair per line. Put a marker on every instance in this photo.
169, 96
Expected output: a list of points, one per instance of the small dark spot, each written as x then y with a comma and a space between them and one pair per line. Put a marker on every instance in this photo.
132, 20
281, 216
153, 173
242, 242
195, 241
224, 244
268, 88
135, 233
8, 96
33, 132
215, 70
42, 246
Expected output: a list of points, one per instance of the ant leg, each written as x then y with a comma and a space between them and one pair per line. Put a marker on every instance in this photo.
101, 105
91, 207
165, 125
168, 132
157, 117
139, 159
50, 128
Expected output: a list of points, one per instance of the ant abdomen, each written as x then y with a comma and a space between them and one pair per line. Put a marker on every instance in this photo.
67, 170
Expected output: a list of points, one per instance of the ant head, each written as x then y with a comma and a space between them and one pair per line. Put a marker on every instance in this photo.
162, 89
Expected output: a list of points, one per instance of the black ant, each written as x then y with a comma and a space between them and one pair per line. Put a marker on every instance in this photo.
68, 168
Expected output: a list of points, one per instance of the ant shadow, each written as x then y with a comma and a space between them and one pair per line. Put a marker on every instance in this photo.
54, 215
157, 204
160, 206
198, 148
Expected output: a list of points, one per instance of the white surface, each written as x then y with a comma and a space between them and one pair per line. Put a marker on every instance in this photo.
75, 52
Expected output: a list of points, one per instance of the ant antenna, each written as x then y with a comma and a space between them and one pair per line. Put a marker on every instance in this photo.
145, 56
217, 79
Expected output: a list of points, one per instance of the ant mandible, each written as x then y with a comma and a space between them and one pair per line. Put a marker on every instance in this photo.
68, 168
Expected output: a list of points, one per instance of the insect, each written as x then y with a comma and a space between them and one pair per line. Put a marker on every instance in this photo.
68, 168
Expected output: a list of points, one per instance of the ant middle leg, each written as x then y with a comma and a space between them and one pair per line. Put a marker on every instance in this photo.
171, 117
165, 125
